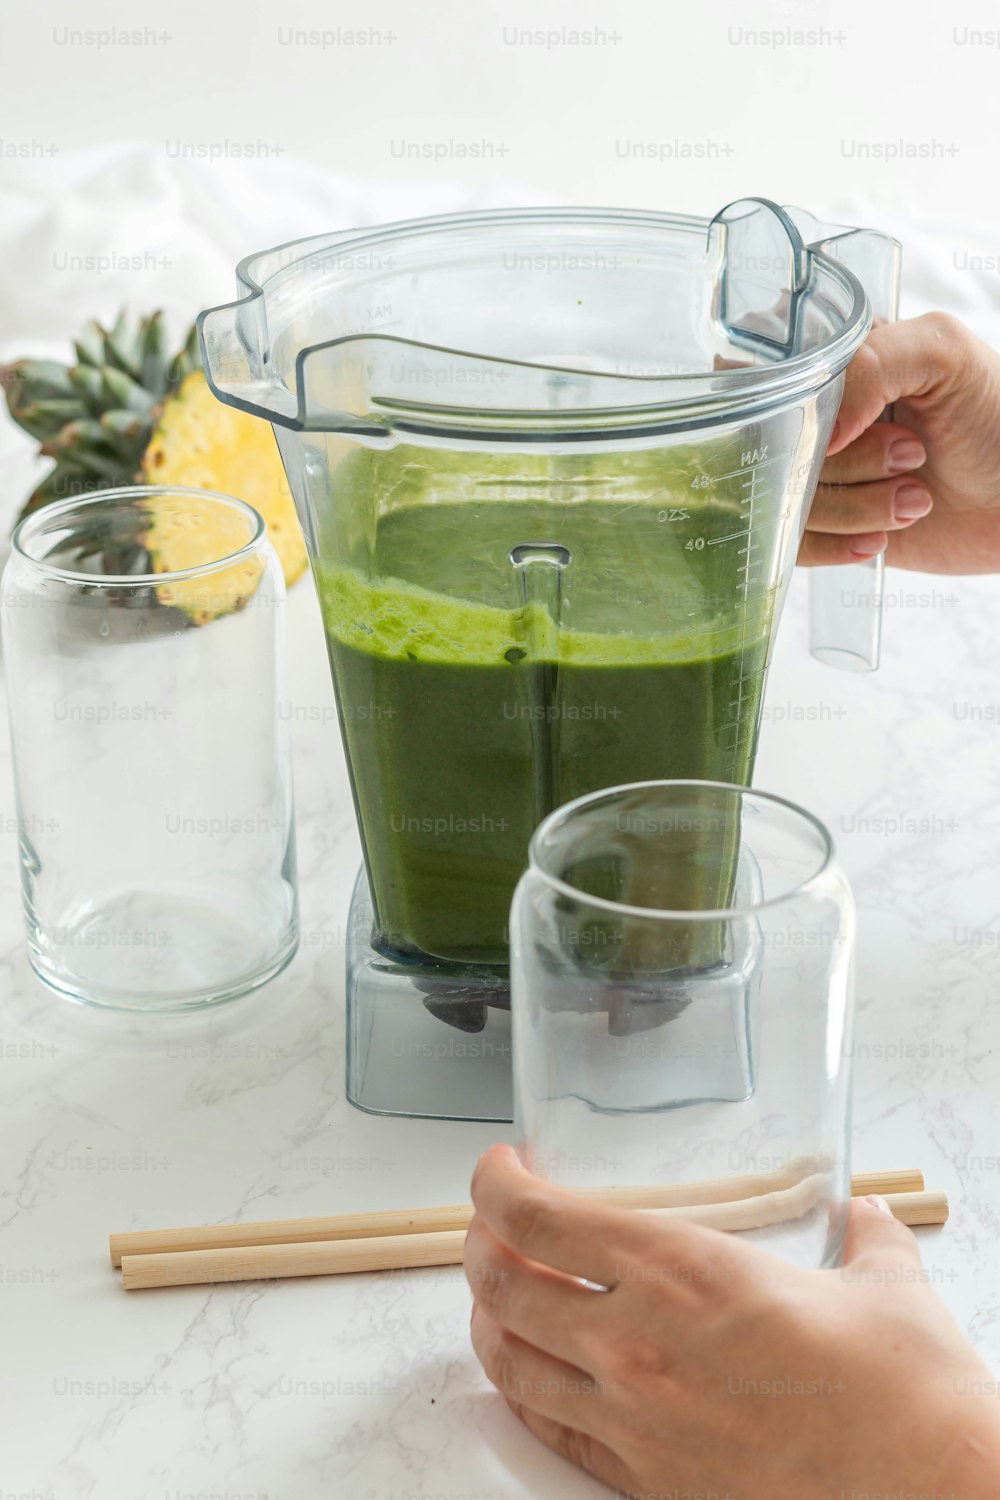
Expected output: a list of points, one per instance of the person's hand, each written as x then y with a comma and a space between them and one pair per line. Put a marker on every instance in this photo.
709, 1366
925, 487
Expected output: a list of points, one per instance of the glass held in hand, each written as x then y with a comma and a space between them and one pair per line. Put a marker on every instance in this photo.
681, 994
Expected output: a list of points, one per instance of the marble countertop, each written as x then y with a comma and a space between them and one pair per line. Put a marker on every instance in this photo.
365, 1387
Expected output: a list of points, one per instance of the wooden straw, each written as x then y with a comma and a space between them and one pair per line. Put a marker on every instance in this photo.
919, 1209
389, 1252
396, 1222
457, 1216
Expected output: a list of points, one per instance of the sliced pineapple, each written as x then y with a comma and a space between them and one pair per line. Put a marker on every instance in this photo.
128, 405
186, 532
200, 443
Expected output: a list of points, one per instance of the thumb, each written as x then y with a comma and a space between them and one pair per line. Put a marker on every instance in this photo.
877, 1242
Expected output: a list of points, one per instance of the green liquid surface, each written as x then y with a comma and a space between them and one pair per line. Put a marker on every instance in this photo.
472, 704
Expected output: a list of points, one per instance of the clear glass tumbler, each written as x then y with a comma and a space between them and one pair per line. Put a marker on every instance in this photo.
681, 994
143, 635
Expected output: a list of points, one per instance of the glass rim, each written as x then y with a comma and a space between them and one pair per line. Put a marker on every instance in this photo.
31, 525
568, 810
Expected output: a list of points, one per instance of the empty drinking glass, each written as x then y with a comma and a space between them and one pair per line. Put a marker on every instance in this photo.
144, 652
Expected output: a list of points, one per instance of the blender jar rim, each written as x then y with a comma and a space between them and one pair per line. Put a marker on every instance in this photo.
686, 400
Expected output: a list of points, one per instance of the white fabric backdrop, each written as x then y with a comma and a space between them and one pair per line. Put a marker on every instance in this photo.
174, 231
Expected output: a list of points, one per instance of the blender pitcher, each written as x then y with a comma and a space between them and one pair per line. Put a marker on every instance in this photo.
553, 466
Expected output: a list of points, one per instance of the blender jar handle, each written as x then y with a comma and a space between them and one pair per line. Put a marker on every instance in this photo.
845, 603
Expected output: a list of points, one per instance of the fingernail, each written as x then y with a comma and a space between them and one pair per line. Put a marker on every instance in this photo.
907, 453
880, 1204
868, 546
910, 502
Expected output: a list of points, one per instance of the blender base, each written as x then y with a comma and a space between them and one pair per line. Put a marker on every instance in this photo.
430, 1041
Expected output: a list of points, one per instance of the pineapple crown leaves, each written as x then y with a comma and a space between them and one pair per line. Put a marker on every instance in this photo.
96, 417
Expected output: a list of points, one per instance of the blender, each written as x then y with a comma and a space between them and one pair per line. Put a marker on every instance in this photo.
552, 466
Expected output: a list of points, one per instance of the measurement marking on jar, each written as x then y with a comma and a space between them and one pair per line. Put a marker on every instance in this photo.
750, 469
746, 680
743, 572
737, 731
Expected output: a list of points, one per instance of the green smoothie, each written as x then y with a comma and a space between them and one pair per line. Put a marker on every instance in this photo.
472, 702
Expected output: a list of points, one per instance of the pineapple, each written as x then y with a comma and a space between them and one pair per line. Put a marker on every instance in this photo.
129, 413
197, 442
175, 540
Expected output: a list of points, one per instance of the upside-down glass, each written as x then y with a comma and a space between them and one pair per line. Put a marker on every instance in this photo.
152, 773
700, 1052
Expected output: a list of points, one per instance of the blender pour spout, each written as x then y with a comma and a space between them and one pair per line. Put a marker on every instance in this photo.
237, 363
